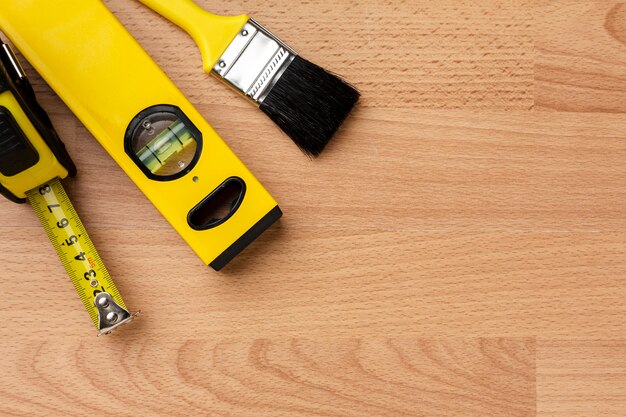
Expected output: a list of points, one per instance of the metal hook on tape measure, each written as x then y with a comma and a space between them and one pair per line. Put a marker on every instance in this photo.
110, 314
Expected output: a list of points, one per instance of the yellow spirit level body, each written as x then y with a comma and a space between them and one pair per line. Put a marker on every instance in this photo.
126, 101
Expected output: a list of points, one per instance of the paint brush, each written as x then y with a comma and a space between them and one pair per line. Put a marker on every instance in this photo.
307, 102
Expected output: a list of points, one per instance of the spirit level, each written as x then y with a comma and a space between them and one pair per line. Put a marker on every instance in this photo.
144, 122
32, 161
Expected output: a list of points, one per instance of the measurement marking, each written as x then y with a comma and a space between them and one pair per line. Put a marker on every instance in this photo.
61, 237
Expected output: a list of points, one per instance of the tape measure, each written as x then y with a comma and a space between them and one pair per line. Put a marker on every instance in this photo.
33, 160
79, 256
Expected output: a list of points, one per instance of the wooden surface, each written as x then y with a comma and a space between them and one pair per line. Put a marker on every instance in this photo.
459, 250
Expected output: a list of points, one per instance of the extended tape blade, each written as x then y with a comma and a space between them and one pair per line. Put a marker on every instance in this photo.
79, 256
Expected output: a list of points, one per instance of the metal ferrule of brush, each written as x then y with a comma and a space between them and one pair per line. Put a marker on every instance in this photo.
254, 61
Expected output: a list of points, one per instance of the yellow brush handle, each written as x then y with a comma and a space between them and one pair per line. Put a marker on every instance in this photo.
211, 32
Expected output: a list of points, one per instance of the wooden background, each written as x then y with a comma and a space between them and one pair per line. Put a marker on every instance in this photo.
459, 250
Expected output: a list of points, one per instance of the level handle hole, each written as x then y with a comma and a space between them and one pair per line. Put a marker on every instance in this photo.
219, 206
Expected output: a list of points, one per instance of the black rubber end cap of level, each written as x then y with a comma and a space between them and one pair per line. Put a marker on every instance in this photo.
250, 236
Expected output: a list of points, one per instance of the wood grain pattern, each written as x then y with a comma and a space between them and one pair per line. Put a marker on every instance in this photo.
459, 249
581, 56
263, 377
581, 378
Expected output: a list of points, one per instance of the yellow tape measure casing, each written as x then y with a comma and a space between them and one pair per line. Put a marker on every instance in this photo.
30, 149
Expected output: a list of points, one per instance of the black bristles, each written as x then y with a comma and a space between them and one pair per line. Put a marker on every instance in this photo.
309, 104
